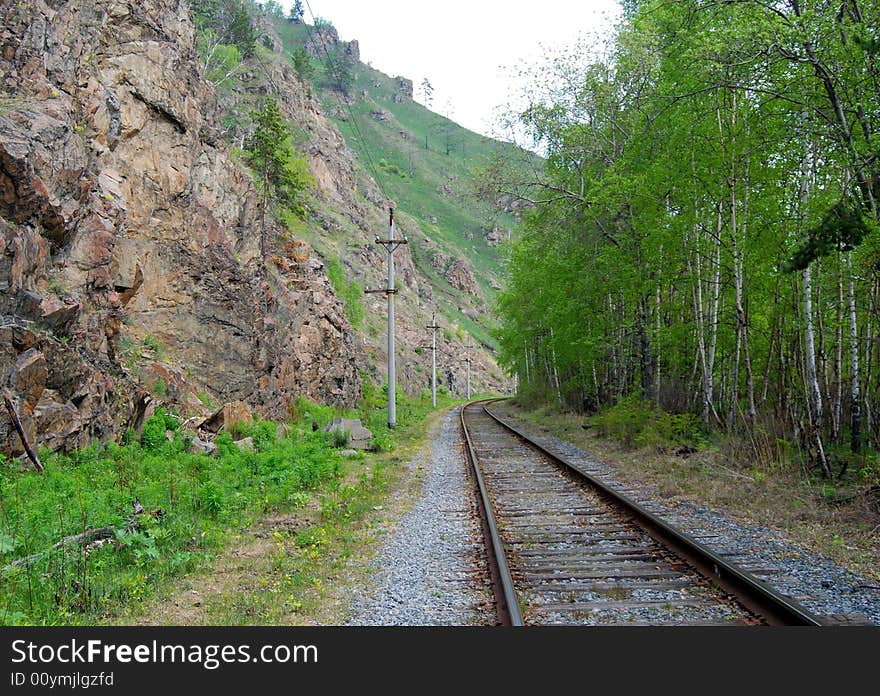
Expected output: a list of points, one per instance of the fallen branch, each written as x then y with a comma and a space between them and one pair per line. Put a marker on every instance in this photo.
87, 537
17, 423
83, 539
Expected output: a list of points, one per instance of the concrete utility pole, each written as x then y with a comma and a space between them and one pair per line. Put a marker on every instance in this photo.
433, 328
468, 361
391, 245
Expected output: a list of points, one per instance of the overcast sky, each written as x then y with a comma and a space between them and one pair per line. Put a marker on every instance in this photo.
467, 49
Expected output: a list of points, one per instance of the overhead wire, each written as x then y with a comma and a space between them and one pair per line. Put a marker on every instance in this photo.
335, 75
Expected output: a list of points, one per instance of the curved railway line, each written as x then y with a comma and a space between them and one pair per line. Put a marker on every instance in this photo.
564, 548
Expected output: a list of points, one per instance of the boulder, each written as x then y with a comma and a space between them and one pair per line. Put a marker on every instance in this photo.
246, 444
228, 415
460, 276
359, 436
198, 446
28, 378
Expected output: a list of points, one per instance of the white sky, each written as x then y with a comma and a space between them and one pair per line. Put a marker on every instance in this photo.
467, 49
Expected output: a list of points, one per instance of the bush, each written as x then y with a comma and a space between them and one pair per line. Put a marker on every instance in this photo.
153, 434
636, 422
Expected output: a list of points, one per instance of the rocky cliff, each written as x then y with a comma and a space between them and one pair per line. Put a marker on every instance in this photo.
130, 267
130, 262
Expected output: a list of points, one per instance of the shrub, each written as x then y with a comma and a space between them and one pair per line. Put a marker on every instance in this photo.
636, 422
341, 437
153, 434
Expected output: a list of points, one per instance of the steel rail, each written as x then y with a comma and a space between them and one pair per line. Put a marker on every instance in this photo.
507, 604
750, 591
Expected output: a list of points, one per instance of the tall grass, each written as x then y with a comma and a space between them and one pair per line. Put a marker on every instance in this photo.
197, 500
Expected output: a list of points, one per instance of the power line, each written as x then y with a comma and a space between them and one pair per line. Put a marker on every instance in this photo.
335, 75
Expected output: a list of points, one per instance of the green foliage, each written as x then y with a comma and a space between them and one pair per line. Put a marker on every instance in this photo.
302, 63
639, 423
349, 292
153, 434
229, 20
296, 12
842, 229
159, 387
206, 400
392, 168
341, 437
154, 344
202, 500
692, 159
220, 61
282, 173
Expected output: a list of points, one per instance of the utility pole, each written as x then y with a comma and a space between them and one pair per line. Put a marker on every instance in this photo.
391, 245
468, 361
433, 328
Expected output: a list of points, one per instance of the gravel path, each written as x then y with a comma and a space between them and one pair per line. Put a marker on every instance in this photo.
432, 569
818, 583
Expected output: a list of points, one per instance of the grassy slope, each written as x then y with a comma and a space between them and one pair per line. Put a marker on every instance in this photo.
427, 184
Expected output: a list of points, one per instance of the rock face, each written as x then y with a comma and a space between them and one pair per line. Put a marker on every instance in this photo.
122, 218
460, 276
325, 39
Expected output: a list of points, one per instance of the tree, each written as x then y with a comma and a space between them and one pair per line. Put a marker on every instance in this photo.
427, 92
229, 20
282, 174
273, 9
302, 63
296, 13
220, 61
715, 148
238, 29
342, 75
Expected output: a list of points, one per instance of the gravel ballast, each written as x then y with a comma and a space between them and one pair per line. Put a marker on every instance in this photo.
431, 570
819, 584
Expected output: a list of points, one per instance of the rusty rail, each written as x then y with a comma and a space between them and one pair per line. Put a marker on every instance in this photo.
753, 594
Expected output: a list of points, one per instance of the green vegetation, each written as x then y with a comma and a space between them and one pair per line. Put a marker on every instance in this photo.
228, 21
282, 173
220, 61
705, 230
639, 423
423, 161
349, 292
302, 63
196, 501
155, 511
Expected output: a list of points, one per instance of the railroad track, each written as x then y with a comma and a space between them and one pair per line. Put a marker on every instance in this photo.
566, 549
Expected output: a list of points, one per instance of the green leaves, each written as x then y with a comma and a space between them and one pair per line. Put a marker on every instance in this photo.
842, 229
282, 173
7, 543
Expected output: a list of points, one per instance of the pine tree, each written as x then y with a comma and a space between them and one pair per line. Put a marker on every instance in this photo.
282, 174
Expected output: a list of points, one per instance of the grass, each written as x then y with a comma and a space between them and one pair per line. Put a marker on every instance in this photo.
201, 507
298, 566
198, 501
430, 186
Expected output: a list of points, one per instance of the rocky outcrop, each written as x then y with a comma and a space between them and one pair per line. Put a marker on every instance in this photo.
404, 89
325, 39
461, 277
123, 217
495, 236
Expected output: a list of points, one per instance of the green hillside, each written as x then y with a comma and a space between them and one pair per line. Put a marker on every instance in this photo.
423, 161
